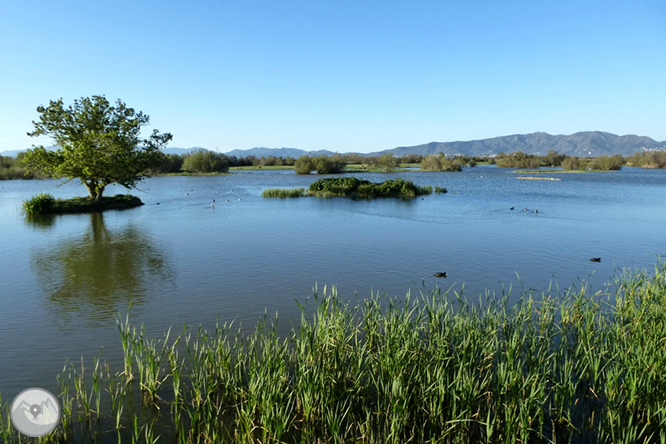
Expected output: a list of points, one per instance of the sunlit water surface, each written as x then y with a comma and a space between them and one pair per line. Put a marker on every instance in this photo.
178, 261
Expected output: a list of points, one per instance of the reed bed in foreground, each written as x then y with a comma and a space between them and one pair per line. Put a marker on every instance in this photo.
574, 367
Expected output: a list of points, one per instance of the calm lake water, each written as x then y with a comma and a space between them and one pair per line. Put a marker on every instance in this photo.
179, 261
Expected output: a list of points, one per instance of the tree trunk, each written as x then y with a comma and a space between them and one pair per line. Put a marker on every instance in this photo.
95, 190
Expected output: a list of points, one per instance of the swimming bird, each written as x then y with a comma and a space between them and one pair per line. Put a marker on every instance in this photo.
511, 208
525, 209
595, 259
536, 211
440, 275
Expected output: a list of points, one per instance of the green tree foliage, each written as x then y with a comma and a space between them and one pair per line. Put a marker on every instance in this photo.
329, 165
204, 161
648, 159
304, 165
571, 163
604, 163
169, 163
612, 163
13, 168
553, 159
323, 164
517, 160
411, 158
432, 162
99, 143
387, 162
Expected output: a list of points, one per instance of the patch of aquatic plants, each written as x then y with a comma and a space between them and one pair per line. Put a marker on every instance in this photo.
39, 204
575, 367
284, 192
364, 189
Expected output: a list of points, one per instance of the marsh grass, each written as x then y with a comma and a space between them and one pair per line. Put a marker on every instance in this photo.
39, 204
572, 367
284, 192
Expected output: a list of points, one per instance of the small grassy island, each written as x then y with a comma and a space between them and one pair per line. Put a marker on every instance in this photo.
45, 203
355, 188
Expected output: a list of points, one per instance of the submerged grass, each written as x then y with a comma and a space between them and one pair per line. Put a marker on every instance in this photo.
573, 367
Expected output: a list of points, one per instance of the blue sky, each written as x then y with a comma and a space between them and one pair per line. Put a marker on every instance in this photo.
340, 75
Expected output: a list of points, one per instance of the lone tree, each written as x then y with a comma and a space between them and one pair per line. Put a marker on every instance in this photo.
99, 144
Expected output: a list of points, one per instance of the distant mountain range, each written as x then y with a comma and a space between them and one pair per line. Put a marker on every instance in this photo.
586, 143
277, 152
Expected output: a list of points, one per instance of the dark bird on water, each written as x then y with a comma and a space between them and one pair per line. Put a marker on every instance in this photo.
440, 275
596, 259
511, 208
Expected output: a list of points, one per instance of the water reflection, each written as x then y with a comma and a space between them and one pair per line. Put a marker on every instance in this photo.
98, 274
41, 221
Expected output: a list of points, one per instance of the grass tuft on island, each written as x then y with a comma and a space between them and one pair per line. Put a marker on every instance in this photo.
354, 188
44, 203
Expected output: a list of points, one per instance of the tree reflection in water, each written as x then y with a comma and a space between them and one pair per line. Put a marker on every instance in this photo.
98, 274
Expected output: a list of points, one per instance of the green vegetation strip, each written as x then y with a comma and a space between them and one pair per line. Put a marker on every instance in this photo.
45, 203
576, 367
355, 188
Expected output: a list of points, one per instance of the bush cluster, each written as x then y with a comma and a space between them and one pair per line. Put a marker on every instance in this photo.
440, 162
13, 168
649, 159
518, 160
321, 164
204, 161
604, 163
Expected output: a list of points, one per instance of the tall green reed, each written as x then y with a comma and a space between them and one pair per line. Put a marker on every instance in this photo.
576, 366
